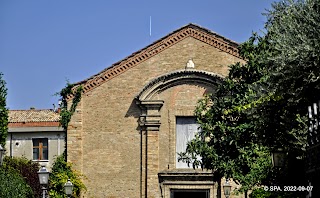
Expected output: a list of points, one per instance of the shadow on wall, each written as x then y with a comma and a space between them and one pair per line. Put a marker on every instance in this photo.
134, 111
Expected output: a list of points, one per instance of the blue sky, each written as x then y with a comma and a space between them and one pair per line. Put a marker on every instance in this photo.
44, 43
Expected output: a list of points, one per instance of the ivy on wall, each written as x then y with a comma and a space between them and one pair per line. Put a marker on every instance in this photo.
65, 113
62, 170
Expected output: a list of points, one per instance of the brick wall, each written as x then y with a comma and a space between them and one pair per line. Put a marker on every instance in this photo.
104, 139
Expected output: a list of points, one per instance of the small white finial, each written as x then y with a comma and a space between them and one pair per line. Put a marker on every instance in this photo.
190, 64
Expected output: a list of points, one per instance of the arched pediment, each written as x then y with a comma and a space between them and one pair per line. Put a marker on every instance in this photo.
179, 77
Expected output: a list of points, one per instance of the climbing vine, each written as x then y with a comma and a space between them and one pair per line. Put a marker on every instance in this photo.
62, 170
65, 113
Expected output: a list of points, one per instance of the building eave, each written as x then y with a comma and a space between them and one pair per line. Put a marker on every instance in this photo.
190, 30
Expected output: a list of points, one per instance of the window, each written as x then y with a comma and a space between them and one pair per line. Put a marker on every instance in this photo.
40, 149
186, 129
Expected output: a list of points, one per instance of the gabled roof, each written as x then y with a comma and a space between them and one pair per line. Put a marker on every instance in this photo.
190, 30
33, 117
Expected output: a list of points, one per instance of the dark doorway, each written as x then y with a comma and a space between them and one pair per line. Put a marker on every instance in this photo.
189, 193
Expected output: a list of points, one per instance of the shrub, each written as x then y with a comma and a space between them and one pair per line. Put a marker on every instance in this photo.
261, 193
61, 172
13, 185
27, 169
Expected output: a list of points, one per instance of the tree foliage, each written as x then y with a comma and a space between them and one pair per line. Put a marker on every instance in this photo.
61, 172
13, 185
3, 112
27, 169
261, 193
262, 104
227, 142
293, 76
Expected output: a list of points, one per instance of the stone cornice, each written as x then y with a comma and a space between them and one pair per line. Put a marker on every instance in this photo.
190, 30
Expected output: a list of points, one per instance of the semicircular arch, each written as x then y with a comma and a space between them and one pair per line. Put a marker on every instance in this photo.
179, 77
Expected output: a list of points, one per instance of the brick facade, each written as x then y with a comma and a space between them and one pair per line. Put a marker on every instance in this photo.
121, 157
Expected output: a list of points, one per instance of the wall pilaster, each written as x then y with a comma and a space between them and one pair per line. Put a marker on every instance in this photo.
149, 123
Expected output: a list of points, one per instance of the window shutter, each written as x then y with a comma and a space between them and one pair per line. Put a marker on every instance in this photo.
186, 129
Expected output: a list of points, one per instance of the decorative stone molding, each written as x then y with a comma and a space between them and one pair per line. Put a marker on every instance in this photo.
150, 114
150, 109
176, 78
185, 180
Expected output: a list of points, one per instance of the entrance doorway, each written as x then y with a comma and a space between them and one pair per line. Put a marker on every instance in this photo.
186, 193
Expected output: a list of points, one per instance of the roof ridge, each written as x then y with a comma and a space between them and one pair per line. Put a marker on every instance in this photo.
213, 32
31, 110
35, 121
189, 30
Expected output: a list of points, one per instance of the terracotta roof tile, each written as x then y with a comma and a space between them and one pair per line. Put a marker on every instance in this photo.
33, 115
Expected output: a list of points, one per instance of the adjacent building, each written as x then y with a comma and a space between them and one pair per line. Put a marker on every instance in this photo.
36, 135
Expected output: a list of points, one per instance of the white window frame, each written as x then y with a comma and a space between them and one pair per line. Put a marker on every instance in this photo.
189, 127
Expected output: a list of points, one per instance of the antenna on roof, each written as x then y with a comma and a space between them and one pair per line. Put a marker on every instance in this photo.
150, 26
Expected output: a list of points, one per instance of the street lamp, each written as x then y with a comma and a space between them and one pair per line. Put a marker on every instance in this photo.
227, 188
2, 153
68, 187
278, 158
43, 174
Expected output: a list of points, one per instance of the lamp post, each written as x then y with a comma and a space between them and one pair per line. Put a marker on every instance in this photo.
227, 188
68, 187
43, 174
278, 158
2, 153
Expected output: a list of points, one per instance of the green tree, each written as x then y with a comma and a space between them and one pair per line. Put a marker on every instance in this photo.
262, 105
27, 169
293, 29
3, 112
261, 193
13, 185
228, 143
